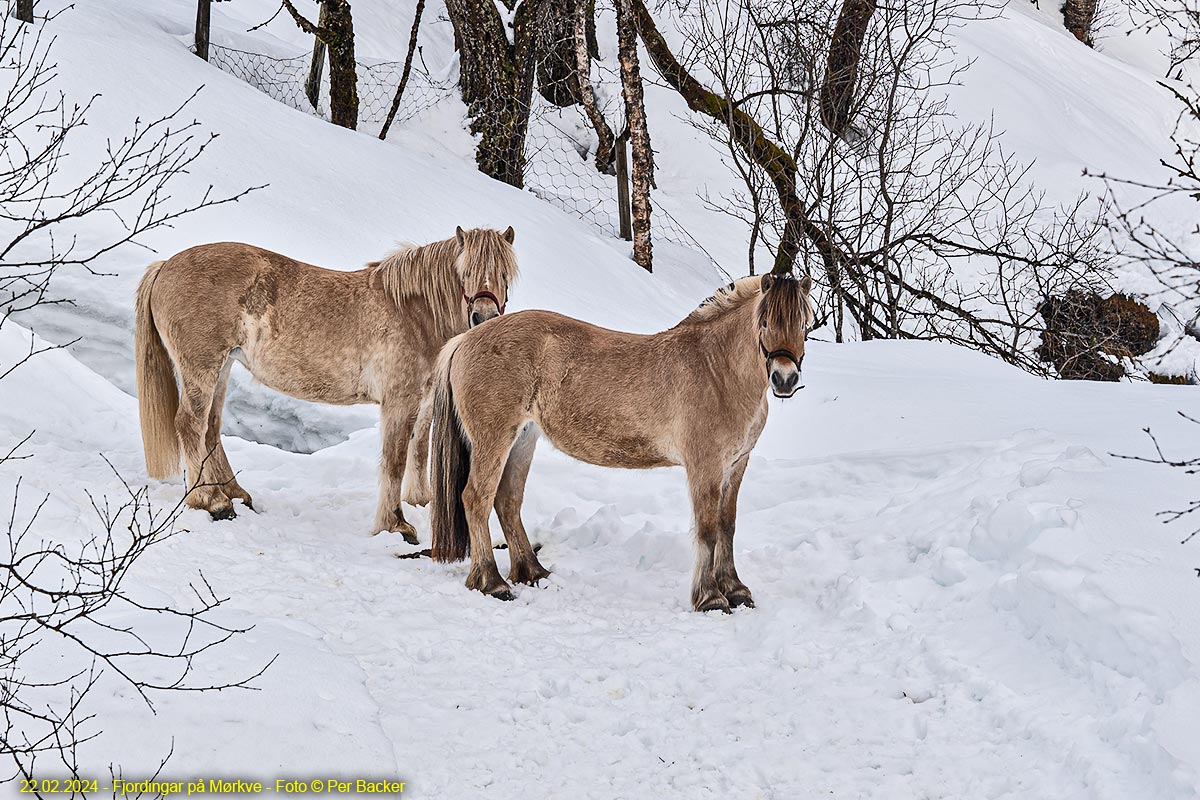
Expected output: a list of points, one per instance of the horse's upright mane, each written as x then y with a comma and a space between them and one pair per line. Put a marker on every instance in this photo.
431, 271
725, 298
426, 271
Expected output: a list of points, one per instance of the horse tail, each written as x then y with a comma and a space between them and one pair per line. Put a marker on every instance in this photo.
451, 466
158, 396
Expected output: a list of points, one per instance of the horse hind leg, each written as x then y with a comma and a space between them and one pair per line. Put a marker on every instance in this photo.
488, 456
222, 472
204, 483
525, 567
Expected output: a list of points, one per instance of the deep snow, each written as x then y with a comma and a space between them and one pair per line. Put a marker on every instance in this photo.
961, 592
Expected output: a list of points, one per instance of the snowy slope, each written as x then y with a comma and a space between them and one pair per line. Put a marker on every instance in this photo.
962, 592
958, 597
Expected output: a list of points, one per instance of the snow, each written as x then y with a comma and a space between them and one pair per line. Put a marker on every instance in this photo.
963, 591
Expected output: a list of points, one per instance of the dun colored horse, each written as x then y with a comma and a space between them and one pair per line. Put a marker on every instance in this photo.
695, 395
369, 336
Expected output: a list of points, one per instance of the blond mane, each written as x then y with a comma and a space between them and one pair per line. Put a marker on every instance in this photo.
438, 272
725, 298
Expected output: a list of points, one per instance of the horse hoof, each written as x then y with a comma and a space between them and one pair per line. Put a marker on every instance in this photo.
715, 603
410, 538
223, 513
248, 503
528, 574
504, 594
740, 599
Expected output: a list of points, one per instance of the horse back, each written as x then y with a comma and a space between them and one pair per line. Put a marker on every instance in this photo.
304, 330
598, 395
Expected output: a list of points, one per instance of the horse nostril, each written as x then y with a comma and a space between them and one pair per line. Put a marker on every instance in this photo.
476, 318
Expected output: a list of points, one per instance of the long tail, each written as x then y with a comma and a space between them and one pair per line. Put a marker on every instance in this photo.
451, 466
158, 396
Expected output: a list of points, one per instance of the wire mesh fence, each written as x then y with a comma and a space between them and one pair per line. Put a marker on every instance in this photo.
559, 166
560, 169
284, 80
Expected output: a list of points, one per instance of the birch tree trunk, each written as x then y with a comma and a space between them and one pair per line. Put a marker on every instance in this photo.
639, 135
1079, 17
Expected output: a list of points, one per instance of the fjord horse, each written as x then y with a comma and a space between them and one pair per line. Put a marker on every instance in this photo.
368, 336
695, 395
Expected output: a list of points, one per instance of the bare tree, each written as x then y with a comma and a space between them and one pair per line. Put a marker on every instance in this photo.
639, 134
917, 226
336, 29
1190, 466
68, 622
841, 68
1143, 238
40, 212
584, 21
67, 619
1178, 20
496, 78
408, 62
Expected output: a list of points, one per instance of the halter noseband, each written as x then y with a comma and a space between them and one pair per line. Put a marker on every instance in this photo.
484, 295
781, 353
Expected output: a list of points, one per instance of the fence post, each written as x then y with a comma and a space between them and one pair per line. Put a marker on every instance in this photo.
312, 87
24, 11
623, 207
203, 17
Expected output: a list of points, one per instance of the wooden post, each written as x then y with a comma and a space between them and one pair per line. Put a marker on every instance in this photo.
24, 11
203, 17
312, 87
623, 187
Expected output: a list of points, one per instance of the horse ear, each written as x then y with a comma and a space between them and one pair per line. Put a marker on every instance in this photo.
510, 234
767, 281
806, 284
458, 234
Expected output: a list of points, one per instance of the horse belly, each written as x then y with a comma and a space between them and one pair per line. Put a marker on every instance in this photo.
317, 378
608, 446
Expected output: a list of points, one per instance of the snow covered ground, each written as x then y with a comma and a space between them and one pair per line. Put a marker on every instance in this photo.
962, 592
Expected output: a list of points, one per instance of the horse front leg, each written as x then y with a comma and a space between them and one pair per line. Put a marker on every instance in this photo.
218, 460
417, 491
705, 488
396, 425
728, 582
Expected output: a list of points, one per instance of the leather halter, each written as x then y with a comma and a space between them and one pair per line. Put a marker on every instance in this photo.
781, 353
484, 295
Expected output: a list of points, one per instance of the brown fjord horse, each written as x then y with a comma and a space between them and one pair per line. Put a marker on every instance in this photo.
695, 395
369, 336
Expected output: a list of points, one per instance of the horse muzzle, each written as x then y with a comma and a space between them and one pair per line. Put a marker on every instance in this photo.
481, 307
480, 317
786, 381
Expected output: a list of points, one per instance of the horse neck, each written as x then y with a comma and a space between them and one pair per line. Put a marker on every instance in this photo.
733, 333
439, 302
